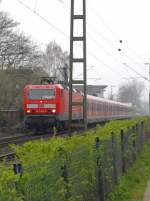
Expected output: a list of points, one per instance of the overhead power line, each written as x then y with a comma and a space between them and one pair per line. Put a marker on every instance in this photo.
65, 35
111, 30
66, 9
145, 78
107, 52
111, 43
44, 19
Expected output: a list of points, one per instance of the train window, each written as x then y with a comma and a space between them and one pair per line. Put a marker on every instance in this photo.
110, 108
114, 108
97, 106
92, 107
87, 106
41, 94
104, 107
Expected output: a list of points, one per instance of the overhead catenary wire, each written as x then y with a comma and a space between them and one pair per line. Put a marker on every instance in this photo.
111, 43
44, 19
65, 35
97, 43
66, 9
145, 78
110, 29
107, 52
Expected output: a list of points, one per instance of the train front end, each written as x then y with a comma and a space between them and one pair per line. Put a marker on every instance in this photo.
40, 106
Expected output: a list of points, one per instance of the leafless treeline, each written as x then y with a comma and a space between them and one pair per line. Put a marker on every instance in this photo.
18, 50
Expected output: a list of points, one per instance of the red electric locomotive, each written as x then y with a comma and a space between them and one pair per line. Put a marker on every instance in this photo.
47, 105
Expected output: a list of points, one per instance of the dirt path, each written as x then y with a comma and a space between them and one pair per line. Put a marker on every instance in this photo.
147, 193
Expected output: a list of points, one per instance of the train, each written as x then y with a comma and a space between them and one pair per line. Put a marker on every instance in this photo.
47, 105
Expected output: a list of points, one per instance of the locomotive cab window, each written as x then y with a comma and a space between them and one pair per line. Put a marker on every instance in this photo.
41, 94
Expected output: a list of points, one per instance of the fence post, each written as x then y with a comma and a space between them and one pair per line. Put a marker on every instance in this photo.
65, 177
65, 173
137, 137
115, 178
130, 147
134, 142
64, 168
99, 172
18, 169
123, 152
142, 134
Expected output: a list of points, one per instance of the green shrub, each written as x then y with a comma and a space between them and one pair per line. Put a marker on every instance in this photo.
62, 169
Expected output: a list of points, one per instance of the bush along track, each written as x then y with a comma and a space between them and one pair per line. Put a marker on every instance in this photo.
79, 168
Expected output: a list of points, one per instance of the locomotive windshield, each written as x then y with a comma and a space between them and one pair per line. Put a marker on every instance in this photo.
41, 94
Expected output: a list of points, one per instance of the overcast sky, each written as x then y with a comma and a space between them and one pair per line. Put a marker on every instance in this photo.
108, 21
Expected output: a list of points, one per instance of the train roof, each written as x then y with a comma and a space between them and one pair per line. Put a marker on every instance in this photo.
108, 101
38, 86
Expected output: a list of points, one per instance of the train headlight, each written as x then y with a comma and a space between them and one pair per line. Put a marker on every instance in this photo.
28, 111
53, 110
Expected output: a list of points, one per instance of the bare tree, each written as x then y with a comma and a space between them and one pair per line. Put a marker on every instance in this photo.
131, 93
54, 59
16, 49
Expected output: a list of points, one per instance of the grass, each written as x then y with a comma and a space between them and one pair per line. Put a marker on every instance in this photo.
132, 185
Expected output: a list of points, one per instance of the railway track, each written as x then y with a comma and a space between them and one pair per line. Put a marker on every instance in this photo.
8, 156
4, 142
21, 139
17, 140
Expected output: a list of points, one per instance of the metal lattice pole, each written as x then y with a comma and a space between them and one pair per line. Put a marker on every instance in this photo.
74, 61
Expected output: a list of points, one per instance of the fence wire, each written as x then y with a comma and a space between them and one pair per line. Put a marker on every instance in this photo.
84, 173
